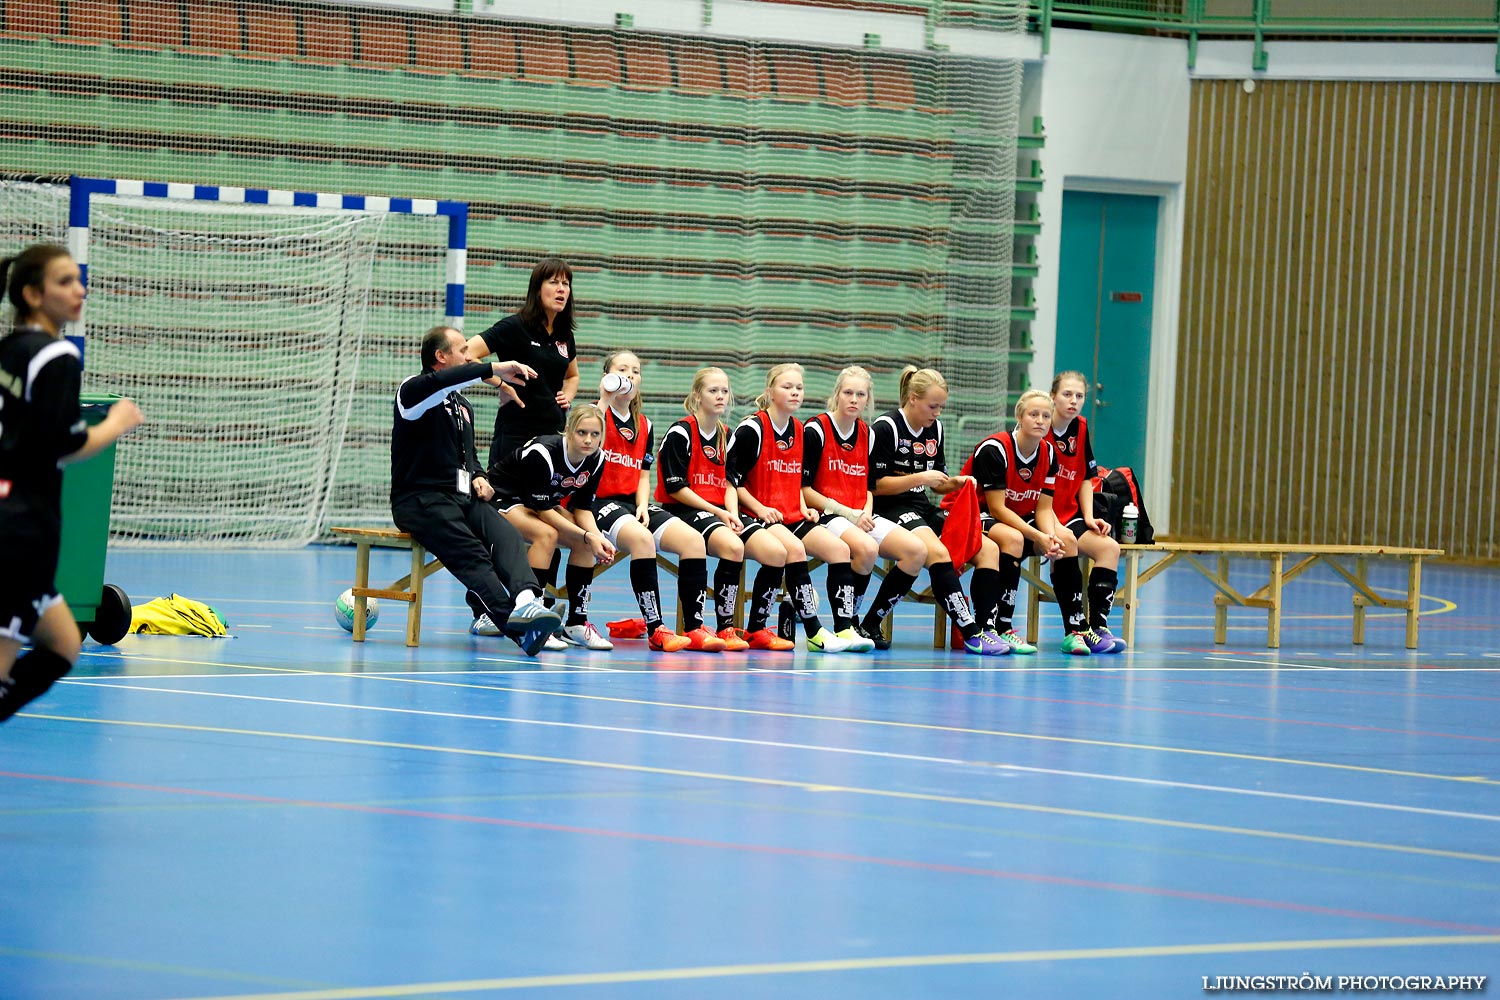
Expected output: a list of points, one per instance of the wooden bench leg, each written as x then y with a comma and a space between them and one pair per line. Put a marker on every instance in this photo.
939, 625
1034, 603
1132, 581
1221, 606
414, 609
1413, 600
1361, 566
361, 581
1273, 615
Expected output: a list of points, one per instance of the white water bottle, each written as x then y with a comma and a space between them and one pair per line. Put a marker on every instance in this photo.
1128, 520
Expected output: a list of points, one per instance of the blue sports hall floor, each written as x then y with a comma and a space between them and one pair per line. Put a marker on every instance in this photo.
286, 814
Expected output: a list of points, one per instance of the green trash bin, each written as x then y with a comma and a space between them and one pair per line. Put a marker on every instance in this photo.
102, 610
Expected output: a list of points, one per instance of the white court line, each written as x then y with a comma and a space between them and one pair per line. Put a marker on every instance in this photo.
539, 670
820, 748
1278, 663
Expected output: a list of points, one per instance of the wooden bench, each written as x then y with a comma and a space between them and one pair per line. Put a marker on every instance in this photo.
408, 588
1270, 595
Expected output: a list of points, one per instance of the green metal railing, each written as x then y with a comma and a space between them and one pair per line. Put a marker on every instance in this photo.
1260, 19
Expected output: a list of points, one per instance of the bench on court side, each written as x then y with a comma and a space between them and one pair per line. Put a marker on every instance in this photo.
1133, 576
408, 588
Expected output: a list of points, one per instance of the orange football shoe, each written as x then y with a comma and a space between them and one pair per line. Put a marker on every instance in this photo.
664, 640
703, 640
766, 639
734, 640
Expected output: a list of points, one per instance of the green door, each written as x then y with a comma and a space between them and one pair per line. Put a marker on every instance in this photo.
1105, 281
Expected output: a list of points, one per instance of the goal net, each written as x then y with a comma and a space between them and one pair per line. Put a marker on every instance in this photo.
240, 330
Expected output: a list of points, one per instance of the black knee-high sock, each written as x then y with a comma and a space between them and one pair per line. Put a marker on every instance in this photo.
547, 577
986, 591
1102, 583
763, 597
1067, 584
896, 585
692, 581
861, 584
804, 599
950, 594
647, 591
30, 677
580, 580
726, 591
1010, 580
841, 595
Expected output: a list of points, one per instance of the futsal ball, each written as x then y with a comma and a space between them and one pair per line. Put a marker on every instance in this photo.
343, 610
615, 382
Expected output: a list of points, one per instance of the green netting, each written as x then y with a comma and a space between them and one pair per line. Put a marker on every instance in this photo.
724, 202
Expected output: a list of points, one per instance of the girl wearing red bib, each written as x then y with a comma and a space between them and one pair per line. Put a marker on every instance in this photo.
836, 481
690, 485
765, 466
636, 526
1017, 472
1073, 502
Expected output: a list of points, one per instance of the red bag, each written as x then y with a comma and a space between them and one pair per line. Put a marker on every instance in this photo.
962, 534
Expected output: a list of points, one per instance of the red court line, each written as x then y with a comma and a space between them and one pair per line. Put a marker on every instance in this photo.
768, 849
1163, 711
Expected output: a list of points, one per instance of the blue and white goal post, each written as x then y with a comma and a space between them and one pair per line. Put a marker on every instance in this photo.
262, 332
83, 190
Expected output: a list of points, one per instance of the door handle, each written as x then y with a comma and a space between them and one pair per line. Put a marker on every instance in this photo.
1098, 387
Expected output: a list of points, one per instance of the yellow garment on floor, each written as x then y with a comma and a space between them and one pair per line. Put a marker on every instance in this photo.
177, 615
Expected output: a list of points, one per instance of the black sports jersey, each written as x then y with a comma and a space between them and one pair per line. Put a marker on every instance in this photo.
433, 434
538, 474
512, 340
745, 445
896, 449
40, 422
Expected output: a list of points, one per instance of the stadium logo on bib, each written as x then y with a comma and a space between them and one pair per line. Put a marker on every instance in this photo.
710, 452
626, 433
1024, 474
783, 445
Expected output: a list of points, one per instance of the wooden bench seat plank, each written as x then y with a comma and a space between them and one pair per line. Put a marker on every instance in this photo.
1270, 596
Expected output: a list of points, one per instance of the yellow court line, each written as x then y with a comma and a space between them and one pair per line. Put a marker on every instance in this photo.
807, 786
928, 727
860, 965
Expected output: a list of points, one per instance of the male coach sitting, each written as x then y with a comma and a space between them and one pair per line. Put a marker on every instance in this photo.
438, 491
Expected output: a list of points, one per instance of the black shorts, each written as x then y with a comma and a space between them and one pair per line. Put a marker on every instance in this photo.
609, 512
754, 524
912, 515
700, 521
28, 585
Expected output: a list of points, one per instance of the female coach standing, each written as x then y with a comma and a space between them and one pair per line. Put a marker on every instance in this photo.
539, 335
40, 431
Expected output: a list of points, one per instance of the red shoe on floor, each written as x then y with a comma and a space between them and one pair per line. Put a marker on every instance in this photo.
766, 639
664, 640
734, 640
703, 640
627, 628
